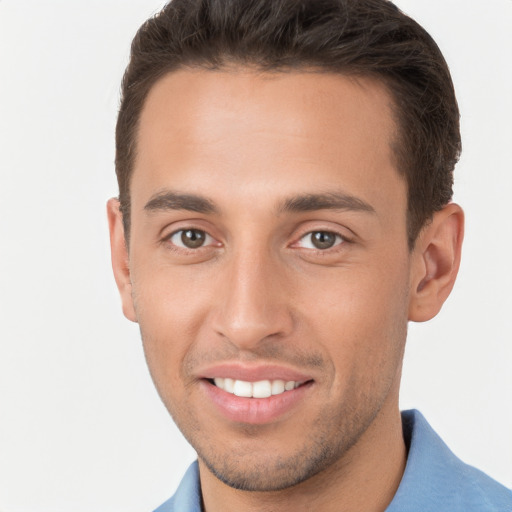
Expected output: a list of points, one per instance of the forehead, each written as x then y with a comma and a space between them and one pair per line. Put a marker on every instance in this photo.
259, 132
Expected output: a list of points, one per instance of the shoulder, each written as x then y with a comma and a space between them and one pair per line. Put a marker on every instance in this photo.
188, 495
436, 480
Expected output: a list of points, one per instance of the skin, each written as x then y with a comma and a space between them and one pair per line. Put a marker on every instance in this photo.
259, 292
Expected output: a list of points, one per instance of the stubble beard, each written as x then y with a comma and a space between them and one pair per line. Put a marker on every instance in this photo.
333, 432
325, 448
329, 437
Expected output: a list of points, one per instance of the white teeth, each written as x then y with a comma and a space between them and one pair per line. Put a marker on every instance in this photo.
260, 389
277, 387
229, 385
289, 385
243, 388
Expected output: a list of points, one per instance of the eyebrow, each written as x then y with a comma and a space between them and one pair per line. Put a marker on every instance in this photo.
169, 200
328, 201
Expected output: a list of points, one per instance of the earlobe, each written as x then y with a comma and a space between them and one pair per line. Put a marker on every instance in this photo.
120, 259
436, 261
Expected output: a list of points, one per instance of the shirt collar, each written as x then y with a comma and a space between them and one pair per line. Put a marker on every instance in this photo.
434, 479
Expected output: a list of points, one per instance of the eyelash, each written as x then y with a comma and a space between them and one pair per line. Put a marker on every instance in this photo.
339, 241
181, 248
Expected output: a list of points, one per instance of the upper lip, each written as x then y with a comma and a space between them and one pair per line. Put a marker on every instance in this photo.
253, 372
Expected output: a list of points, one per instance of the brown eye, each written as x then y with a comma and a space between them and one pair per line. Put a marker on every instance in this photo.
190, 238
323, 240
193, 238
320, 240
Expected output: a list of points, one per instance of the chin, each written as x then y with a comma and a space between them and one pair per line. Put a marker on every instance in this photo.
254, 470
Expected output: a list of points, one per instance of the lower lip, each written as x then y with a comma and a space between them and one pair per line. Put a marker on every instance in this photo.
255, 411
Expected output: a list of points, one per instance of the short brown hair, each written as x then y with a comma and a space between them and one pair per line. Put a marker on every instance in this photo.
351, 37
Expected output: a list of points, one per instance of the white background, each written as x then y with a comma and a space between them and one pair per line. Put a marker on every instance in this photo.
81, 427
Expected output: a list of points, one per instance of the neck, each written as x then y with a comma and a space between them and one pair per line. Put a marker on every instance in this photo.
365, 479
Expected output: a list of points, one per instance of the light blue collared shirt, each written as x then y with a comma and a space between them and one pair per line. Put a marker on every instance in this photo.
435, 480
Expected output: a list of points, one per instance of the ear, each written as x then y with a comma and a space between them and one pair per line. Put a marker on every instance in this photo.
120, 258
435, 263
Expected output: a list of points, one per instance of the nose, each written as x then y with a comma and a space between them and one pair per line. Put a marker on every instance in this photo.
253, 305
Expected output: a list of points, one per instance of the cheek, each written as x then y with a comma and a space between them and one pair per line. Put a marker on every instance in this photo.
360, 318
168, 301
170, 311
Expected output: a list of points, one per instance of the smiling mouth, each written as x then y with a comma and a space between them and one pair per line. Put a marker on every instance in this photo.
259, 389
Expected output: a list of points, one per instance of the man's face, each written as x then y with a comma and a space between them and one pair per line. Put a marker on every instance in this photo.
268, 244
